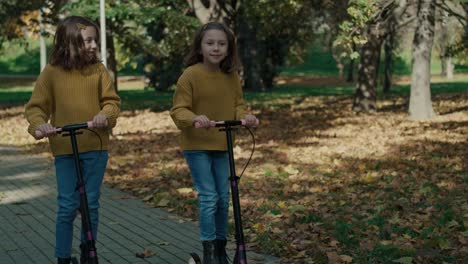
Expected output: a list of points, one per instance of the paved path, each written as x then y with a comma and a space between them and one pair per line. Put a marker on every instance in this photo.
127, 225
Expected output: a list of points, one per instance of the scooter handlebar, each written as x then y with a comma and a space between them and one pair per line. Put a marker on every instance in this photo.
89, 124
241, 122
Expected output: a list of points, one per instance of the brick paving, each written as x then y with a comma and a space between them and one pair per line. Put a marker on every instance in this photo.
127, 225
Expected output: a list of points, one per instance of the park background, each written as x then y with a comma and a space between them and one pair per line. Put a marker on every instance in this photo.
360, 156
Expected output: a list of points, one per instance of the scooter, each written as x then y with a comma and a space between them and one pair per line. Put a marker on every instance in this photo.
90, 248
228, 126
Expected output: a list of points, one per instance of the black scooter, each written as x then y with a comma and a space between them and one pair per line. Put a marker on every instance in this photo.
240, 256
90, 256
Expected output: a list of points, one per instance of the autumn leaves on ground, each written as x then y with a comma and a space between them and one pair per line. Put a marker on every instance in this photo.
325, 185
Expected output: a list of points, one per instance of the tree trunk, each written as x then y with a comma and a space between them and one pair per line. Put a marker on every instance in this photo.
390, 42
365, 99
350, 77
205, 10
420, 106
247, 45
336, 56
339, 64
443, 65
389, 45
111, 60
443, 43
268, 70
449, 67
377, 64
351, 67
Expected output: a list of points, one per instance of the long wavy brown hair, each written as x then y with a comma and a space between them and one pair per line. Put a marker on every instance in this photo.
230, 63
69, 50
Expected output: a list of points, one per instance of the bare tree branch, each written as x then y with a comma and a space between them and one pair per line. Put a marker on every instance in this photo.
405, 22
443, 5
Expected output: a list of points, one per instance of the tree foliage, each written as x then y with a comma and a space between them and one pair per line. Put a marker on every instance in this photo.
365, 31
270, 33
156, 33
457, 10
363, 14
12, 17
284, 29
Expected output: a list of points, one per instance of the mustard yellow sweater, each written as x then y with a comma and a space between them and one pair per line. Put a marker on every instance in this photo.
72, 97
201, 92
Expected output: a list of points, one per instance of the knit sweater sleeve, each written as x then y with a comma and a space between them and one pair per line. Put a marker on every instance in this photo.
109, 100
39, 107
181, 111
241, 107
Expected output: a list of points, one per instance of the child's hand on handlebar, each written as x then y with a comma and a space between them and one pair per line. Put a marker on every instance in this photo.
250, 120
46, 130
99, 121
202, 121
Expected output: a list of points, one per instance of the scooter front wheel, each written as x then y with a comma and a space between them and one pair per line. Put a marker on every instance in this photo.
194, 259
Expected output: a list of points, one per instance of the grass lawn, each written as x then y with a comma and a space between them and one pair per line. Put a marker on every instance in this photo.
17, 91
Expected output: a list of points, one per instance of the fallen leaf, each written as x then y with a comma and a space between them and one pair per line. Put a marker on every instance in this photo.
163, 203
346, 258
184, 190
404, 260
145, 254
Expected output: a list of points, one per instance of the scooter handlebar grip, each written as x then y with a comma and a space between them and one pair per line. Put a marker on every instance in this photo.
244, 122
220, 123
197, 124
40, 135
92, 125
257, 122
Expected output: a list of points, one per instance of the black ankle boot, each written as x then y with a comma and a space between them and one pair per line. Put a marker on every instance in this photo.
63, 260
220, 251
83, 254
209, 255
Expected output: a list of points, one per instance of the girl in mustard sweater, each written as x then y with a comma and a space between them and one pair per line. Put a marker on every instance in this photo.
210, 89
74, 88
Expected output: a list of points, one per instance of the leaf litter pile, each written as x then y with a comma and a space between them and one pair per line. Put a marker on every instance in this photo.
325, 185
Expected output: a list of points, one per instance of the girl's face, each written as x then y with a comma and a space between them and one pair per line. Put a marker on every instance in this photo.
214, 48
89, 35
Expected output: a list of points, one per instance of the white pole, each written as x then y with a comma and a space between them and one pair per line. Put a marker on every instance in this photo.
42, 42
103, 33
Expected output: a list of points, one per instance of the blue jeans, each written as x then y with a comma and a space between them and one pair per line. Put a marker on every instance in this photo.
210, 174
68, 199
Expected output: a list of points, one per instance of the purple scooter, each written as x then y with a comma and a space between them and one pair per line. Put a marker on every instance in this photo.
90, 256
228, 126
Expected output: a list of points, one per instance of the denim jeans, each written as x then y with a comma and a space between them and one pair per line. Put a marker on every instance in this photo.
210, 174
68, 199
